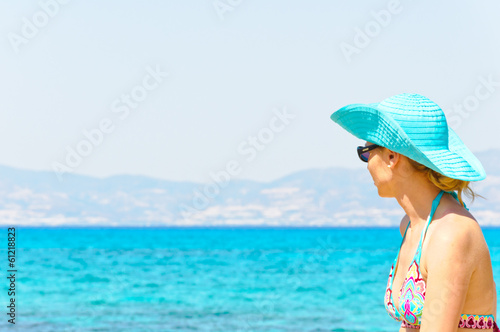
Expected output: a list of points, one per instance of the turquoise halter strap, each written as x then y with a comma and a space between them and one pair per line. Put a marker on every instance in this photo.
454, 194
435, 204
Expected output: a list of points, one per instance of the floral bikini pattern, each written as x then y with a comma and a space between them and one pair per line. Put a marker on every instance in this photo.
478, 322
412, 296
389, 306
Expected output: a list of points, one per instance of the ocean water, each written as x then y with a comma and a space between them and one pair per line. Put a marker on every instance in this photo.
212, 279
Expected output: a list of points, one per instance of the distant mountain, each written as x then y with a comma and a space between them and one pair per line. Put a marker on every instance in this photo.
316, 197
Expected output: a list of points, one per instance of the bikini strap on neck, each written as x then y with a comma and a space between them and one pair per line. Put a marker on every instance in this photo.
435, 204
454, 194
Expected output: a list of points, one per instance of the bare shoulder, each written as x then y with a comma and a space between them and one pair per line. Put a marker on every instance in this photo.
456, 225
404, 224
456, 234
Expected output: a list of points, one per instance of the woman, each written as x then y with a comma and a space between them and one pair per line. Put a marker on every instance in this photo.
441, 279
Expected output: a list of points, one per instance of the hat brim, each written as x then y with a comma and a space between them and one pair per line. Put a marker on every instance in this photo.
368, 123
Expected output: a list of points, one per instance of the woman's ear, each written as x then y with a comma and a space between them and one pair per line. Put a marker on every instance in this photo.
392, 158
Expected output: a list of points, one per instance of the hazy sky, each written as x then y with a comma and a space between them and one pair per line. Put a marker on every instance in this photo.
180, 89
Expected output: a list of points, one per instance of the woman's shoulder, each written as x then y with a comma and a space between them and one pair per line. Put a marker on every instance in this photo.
457, 234
456, 224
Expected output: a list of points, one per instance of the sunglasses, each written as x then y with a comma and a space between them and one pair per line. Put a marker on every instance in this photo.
364, 151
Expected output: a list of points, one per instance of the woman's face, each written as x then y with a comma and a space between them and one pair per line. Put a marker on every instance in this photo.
379, 170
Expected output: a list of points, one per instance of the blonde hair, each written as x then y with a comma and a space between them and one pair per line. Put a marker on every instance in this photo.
446, 183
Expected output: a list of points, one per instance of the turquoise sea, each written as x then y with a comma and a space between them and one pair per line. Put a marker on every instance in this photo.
204, 279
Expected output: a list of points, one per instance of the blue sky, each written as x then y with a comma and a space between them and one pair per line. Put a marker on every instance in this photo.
179, 90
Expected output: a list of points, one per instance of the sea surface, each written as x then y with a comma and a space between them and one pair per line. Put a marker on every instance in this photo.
204, 279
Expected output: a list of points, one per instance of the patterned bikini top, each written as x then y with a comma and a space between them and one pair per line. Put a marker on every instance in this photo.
412, 293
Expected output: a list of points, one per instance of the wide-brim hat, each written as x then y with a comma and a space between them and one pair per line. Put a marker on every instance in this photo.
416, 127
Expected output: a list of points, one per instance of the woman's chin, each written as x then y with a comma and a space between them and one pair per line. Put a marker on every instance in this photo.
383, 193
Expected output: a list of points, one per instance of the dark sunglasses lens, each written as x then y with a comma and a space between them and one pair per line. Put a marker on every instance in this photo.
364, 156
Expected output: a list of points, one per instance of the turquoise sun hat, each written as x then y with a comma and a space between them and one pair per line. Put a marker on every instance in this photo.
416, 127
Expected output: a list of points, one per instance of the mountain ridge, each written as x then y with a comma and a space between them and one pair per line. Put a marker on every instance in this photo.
332, 196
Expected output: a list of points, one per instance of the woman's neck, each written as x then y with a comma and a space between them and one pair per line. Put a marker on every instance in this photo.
416, 199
